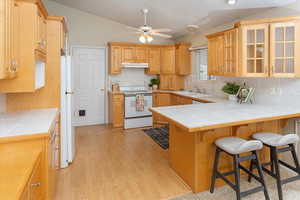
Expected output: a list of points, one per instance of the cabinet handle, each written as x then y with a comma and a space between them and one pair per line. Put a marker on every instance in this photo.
35, 184
13, 66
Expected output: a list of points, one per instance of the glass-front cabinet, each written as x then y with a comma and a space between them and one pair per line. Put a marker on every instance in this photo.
284, 46
255, 59
230, 52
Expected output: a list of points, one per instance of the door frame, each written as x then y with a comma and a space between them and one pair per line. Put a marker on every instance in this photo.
72, 47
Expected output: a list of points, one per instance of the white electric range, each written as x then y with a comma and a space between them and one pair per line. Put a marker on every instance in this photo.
134, 118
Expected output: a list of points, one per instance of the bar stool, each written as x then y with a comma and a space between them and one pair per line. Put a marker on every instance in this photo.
235, 146
276, 143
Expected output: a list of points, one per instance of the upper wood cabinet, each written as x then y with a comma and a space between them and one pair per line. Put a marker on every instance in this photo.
284, 49
255, 50
132, 54
216, 55
168, 60
10, 39
154, 60
171, 82
258, 48
30, 56
115, 59
41, 32
183, 59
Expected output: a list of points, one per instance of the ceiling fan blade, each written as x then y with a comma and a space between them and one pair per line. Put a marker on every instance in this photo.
161, 35
161, 30
133, 28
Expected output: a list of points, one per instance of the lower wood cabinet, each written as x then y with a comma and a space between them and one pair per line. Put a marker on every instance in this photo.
116, 109
33, 190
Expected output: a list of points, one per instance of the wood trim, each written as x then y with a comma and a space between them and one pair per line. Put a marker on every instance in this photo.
266, 20
61, 19
209, 36
40, 5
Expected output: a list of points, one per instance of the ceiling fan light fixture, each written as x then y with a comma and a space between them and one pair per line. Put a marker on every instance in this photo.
231, 2
149, 39
142, 39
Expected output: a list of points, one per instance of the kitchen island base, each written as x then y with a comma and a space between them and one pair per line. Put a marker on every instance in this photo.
192, 153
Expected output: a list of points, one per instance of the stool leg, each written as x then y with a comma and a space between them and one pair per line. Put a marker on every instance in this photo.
296, 161
272, 161
260, 172
215, 169
251, 169
277, 170
237, 177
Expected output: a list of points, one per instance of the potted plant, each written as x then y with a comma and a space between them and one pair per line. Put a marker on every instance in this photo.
154, 83
231, 89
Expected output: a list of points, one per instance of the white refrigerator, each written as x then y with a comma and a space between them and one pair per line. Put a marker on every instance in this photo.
67, 130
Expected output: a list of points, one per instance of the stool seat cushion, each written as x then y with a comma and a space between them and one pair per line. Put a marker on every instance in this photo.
235, 145
275, 139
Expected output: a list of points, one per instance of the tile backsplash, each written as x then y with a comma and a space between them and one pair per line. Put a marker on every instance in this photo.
130, 77
267, 90
2, 103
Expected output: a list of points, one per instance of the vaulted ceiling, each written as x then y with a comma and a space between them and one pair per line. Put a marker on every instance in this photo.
174, 14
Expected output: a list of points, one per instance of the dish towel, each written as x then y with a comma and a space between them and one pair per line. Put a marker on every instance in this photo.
140, 102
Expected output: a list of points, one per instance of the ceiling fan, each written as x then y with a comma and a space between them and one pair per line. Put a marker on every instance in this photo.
146, 32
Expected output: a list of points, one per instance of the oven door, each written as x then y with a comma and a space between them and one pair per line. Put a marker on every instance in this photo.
130, 106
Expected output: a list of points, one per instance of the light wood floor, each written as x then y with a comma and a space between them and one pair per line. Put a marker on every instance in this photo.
114, 164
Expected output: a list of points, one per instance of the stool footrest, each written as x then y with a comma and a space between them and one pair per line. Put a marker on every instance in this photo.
285, 149
287, 165
251, 174
291, 179
223, 177
252, 191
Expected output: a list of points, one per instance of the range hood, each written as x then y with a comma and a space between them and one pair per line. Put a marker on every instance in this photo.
135, 65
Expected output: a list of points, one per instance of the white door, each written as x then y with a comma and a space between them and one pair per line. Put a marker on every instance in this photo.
89, 65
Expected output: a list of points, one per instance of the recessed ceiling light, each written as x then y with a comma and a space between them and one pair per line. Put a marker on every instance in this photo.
231, 2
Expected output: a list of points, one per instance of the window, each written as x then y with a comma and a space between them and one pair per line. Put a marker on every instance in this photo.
200, 65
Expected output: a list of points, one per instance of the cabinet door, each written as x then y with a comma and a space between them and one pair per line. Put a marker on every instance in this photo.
167, 60
128, 54
115, 60
9, 40
154, 61
220, 55
141, 55
35, 190
118, 110
216, 56
41, 41
255, 57
183, 59
284, 47
231, 52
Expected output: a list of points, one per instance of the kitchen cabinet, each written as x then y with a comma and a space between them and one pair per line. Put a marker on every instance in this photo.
132, 54
179, 100
231, 52
9, 40
256, 48
115, 59
171, 82
168, 60
160, 99
216, 55
154, 61
284, 49
41, 32
34, 185
32, 54
116, 109
183, 64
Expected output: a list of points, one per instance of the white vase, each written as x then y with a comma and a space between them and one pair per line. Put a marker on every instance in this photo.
232, 97
154, 87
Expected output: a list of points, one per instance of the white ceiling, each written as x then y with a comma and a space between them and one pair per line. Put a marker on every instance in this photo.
174, 14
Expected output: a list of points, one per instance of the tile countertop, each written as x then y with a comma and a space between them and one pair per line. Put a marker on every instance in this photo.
222, 113
26, 122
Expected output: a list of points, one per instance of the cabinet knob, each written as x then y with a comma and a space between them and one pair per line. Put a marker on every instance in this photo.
35, 184
13, 66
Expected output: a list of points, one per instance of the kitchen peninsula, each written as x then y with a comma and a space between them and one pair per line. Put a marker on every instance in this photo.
195, 127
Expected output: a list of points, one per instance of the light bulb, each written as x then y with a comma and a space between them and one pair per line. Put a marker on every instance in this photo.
231, 2
142, 39
149, 39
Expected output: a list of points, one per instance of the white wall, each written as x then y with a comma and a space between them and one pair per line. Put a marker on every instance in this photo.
270, 90
88, 29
